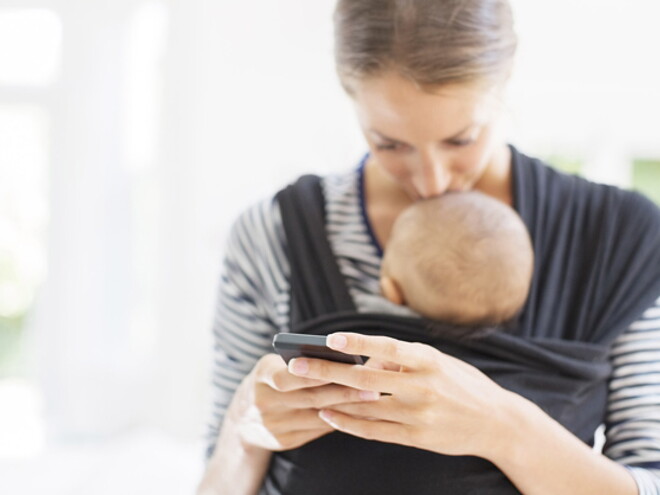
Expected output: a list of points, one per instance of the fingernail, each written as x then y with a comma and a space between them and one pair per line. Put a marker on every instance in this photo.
336, 341
298, 366
369, 395
326, 416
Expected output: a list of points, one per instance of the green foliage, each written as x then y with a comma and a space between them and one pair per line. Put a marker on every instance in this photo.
646, 178
11, 346
565, 163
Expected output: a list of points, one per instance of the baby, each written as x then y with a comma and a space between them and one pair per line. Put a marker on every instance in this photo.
463, 258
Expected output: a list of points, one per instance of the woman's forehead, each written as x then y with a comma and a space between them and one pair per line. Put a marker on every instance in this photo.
390, 103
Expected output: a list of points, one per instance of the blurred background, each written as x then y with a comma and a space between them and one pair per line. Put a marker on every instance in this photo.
132, 132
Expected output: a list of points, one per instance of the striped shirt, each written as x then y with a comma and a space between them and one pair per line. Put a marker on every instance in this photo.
253, 305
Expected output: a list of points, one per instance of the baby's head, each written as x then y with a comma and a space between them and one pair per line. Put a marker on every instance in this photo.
462, 258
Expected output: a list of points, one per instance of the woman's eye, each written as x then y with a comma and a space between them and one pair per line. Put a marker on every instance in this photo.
389, 147
461, 142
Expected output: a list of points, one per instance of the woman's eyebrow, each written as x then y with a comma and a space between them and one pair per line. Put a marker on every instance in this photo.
455, 136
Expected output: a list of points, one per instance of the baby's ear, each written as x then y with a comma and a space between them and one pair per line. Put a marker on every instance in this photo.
391, 290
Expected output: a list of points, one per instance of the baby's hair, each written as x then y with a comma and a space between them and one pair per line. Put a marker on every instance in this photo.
465, 248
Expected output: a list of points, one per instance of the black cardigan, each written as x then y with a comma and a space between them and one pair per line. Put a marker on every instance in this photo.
597, 267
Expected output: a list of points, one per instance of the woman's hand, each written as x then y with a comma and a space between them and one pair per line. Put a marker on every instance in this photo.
276, 410
271, 410
437, 402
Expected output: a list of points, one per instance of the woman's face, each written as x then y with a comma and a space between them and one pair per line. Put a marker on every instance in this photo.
429, 142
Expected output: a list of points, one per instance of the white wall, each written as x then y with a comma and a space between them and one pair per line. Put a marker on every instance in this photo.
587, 82
250, 102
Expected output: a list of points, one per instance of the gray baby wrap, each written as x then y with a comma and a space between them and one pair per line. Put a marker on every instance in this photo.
597, 268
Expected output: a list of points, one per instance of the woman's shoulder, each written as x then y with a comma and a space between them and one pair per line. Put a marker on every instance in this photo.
542, 187
342, 184
260, 223
259, 217
256, 242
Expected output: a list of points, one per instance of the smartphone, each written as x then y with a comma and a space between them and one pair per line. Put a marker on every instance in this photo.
293, 345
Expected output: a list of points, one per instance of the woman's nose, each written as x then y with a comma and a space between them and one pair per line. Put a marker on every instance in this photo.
433, 179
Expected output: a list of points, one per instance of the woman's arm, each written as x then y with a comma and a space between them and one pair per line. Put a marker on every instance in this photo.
633, 409
244, 321
445, 405
632, 427
259, 407
541, 457
234, 467
272, 410
242, 332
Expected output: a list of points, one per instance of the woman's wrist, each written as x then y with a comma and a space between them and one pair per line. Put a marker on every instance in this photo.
542, 457
236, 465
511, 422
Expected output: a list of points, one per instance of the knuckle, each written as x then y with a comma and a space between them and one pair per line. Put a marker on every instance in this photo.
369, 432
366, 379
428, 356
412, 436
392, 349
420, 348
320, 397
312, 398
268, 423
287, 441
422, 351
261, 402
274, 426
349, 395
265, 365
269, 359
427, 416
276, 382
320, 367
280, 381
423, 391
359, 345
283, 443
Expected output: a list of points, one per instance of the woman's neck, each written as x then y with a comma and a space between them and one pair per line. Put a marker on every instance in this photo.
497, 179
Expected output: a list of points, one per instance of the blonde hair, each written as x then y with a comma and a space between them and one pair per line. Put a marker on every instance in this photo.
430, 42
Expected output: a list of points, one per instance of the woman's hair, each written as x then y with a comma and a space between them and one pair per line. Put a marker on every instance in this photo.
431, 42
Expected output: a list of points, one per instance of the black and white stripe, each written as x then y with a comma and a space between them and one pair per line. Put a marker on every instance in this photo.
633, 412
253, 305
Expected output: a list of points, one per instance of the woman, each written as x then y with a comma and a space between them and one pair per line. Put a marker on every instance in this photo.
426, 78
